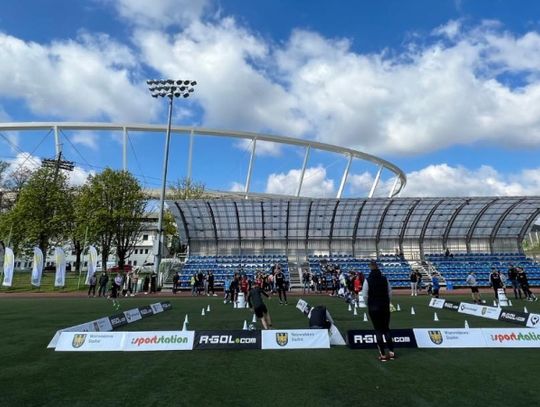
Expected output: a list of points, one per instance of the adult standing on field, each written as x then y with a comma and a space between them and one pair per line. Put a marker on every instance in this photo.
473, 284
495, 281
281, 285
103, 280
377, 293
93, 283
256, 302
414, 283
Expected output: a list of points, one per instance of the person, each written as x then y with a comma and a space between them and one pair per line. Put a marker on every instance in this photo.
435, 285
226, 290
318, 318
115, 288
281, 286
495, 281
210, 279
193, 283
524, 282
200, 282
135, 283
357, 286
256, 302
473, 284
153, 282
103, 280
377, 294
234, 288
305, 281
244, 285
92, 288
418, 281
414, 283
175, 281
512, 277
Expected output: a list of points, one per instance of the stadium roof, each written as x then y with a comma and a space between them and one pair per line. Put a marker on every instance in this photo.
376, 219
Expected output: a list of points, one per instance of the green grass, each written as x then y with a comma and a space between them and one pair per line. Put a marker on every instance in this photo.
21, 283
32, 375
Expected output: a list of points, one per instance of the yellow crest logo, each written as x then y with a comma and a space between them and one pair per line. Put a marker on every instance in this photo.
282, 338
78, 340
436, 337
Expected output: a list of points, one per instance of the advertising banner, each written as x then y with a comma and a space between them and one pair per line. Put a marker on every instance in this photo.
449, 338
228, 339
479, 310
132, 315
335, 335
90, 341
60, 259
162, 340
146, 311
9, 266
533, 321
437, 303
92, 264
511, 338
118, 320
365, 338
514, 317
451, 306
296, 339
37, 267
166, 305
157, 308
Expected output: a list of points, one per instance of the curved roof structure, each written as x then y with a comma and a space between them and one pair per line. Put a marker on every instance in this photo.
364, 226
350, 154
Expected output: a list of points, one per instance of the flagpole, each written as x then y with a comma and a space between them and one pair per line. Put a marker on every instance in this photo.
84, 247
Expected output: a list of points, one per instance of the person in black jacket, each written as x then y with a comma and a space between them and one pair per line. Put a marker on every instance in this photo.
377, 293
103, 280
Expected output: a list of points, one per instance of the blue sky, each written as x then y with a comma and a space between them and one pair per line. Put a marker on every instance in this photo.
448, 90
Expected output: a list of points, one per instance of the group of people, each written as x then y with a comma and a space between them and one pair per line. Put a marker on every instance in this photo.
200, 283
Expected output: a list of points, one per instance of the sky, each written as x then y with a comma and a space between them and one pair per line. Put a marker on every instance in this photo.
448, 90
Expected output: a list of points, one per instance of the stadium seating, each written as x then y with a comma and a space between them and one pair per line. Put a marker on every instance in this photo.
455, 268
225, 266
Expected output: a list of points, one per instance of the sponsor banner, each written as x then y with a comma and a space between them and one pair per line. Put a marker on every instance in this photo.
511, 338
533, 321
162, 340
118, 320
228, 339
452, 306
166, 305
157, 307
335, 336
132, 315
365, 339
9, 266
60, 276
103, 324
92, 264
296, 339
479, 310
90, 341
303, 306
514, 317
449, 338
146, 311
437, 303
37, 267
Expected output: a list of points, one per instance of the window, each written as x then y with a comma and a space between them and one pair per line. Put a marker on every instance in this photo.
136, 251
129, 262
85, 264
145, 251
135, 263
144, 237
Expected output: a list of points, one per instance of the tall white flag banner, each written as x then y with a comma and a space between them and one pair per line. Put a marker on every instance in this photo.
9, 265
37, 267
92, 263
60, 258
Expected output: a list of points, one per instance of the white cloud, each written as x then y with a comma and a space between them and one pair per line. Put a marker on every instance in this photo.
87, 139
263, 148
87, 78
237, 187
360, 184
315, 183
79, 176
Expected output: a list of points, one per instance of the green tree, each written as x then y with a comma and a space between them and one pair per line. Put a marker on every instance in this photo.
112, 206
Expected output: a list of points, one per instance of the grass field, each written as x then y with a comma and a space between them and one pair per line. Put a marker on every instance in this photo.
21, 283
32, 375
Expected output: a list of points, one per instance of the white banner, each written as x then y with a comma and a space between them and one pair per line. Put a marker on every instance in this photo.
449, 338
9, 265
60, 260
295, 339
511, 338
37, 267
157, 307
132, 315
92, 264
437, 303
90, 341
480, 310
162, 340
533, 321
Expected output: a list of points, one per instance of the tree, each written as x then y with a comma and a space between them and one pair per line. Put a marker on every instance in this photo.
111, 206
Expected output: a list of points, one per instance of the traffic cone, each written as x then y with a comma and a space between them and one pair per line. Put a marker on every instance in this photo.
247, 304
208, 308
510, 303
494, 303
254, 319
202, 312
525, 310
365, 317
412, 311
355, 313
435, 317
350, 309
398, 308
466, 325
245, 327
184, 327
186, 320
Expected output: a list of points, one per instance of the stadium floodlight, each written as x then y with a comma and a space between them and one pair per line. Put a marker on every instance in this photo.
171, 89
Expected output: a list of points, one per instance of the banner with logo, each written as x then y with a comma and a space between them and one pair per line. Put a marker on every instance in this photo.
37, 267
449, 338
335, 335
533, 321
90, 341
157, 308
146, 311
366, 339
514, 317
118, 320
162, 340
437, 303
60, 260
296, 339
132, 315
479, 310
227, 339
511, 338
92, 264
9, 266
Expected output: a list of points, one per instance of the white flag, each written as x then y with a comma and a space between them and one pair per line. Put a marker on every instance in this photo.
37, 267
9, 265
60, 277
92, 263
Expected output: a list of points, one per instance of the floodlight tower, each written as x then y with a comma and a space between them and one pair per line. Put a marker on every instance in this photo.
171, 89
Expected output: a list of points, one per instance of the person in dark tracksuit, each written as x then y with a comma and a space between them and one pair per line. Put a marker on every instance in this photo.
256, 302
377, 293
